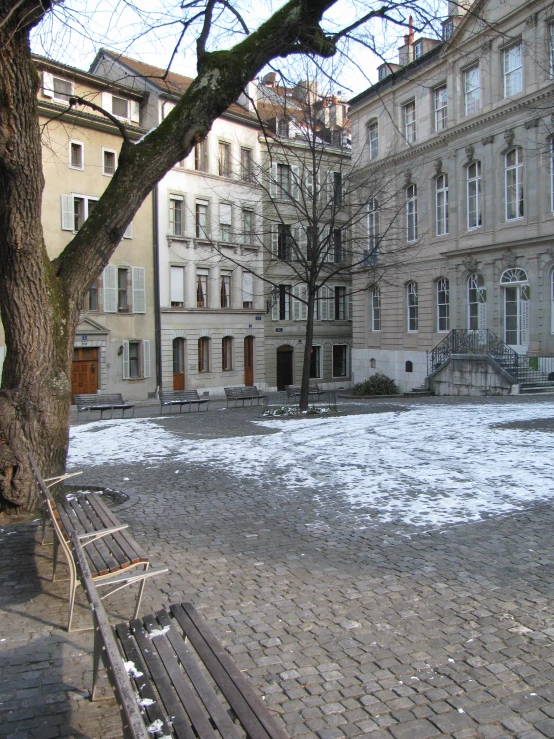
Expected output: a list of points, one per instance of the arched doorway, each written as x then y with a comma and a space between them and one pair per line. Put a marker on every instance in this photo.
179, 364
517, 293
249, 361
285, 375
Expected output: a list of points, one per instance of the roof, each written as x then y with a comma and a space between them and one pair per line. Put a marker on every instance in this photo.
96, 79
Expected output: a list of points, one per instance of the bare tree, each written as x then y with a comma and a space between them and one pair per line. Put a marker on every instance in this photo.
39, 297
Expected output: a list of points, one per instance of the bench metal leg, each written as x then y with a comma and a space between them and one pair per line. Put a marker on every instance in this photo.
140, 593
96, 661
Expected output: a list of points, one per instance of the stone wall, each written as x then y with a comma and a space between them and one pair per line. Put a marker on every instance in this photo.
465, 374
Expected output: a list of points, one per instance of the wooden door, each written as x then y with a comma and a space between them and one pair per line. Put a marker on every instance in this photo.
285, 374
179, 364
249, 361
84, 371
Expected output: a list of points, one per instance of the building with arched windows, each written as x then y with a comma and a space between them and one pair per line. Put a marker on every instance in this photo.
464, 132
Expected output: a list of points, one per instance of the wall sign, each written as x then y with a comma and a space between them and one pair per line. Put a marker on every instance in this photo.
84, 338
279, 330
258, 318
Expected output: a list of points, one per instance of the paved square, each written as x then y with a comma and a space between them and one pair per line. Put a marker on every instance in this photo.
386, 574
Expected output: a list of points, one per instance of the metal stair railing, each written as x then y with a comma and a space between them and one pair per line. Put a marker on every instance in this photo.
482, 342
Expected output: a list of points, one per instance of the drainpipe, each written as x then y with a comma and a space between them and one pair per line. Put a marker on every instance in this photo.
157, 316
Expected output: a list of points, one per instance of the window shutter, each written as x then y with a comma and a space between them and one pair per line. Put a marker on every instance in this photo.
125, 358
68, 216
275, 308
323, 303
47, 85
128, 233
109, 281
302, 242
524, 308
304, 306
139, 290
273, 190
295, 303
135, 117
177, 285
274, 240
482, 316
107, 101
309, 183
348, 306
146, 357
328, 246
295, 181
248, 287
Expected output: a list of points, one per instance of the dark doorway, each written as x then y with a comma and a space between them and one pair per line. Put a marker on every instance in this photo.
178, 364
84, 371
249, 361
285, 374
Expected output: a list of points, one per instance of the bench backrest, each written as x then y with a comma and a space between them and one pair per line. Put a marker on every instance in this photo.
166, 395
241, 392
97, 399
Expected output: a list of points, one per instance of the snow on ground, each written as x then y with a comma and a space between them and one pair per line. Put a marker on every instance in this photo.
435, 465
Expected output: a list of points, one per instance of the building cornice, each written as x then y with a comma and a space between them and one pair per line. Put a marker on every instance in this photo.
86, 120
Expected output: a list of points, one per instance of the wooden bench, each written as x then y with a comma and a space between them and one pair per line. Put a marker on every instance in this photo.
102, 403
182, 398
244, 393
156, 674
113, 554
294, 390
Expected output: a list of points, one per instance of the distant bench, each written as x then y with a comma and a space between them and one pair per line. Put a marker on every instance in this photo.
155, 667
244, 393
102, 403
182, 398
293, 390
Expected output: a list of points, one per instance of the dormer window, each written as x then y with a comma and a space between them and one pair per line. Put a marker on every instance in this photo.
418, 49
283, 128
382, 73
120, 107
447, 30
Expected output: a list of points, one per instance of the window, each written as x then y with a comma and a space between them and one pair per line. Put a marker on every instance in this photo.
225, 291
376, 309
284, 302
136, 360
247, 290
409, 366
246, 165
477, 303
412, 303
373, 139
447, 30
118, 284
120, 107
204, 354
284, 238
340, 303
202, 219
227, 353
472, 89
337, 244
443, 305
122, 290
283, 127
517, 294
411, 213
340, 360
441, 107
382, 72
247, 227
76, 155
109, 162
418, 49
514, 184
93, 296
75, 211
441, 204
176, 215
337, 188
283, 179
473, 175
225, 222
512, 67
63, 89
224, 159
408, 112
315, 362
201, 156
372, 232
177, 286
202, 289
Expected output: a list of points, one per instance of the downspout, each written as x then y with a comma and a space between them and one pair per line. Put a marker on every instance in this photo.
157, 314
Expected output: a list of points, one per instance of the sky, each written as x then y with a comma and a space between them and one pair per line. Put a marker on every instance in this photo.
74, 31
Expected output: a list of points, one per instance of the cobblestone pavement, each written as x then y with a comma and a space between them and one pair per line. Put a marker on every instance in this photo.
347, 631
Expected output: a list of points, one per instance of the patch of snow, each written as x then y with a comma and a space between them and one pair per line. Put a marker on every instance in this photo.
158, 632
132, 670
156, 727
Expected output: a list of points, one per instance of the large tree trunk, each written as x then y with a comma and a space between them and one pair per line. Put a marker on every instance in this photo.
38, 318
305, 386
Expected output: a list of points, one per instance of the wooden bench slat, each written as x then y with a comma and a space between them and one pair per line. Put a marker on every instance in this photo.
248, 707
97, 551
203, 688
143, 684
123, 538
179, 718
183, 689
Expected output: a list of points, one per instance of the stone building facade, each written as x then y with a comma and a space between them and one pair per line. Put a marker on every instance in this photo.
462, 127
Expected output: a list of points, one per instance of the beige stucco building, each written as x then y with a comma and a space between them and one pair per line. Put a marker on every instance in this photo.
115, 338
462, 128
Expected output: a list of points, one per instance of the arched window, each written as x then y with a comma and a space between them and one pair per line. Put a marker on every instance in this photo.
227, 353
412, 303
477, 302
376, 309
514, 184
372, 232
473, 178
441, 204
372, 363
373, 139
411, 213
409, 366
203, 354
517, 293
443, 305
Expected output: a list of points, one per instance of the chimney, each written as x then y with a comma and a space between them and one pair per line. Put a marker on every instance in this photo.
406, 52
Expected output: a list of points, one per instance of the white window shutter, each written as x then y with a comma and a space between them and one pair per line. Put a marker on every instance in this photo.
275, 308
273, 188
524, 308
125, 358
128, 233
68, 216
323, 303
139, 289
303, 242
47, 85
348, 306
295, 303
248, 287
304, 305
328, 246
274, 227
309, 183
146, 357
482, 316
295, 181
109, 280
107, 101
135, 115
177, 285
